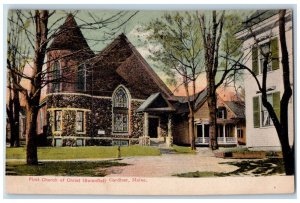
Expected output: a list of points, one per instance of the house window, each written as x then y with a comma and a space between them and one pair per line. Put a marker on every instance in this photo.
239, 131
120, 111
81, 77
79, 121
270, 48
55, 76
221, 112
266, 119
58, 120
261, 117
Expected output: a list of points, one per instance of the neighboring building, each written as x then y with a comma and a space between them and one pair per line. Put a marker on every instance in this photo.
22, 127
230, 121
260, 131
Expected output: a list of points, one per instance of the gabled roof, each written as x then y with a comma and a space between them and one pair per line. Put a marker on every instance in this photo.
70, 37
237, 107
156, 103
181, 102
201, 98
121, 62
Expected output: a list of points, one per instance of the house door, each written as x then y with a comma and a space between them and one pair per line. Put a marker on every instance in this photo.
153, 127
199, 131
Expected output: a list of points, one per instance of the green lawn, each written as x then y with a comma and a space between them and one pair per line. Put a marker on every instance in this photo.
61, 153
61, 168
183, 150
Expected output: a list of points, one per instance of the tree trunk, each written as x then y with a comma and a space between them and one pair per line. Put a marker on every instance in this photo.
191, 114
192, 131
211, 100
287, 151
33, 99
281, 125
212, 104
289, 161
31, 156
16, 127
13, 111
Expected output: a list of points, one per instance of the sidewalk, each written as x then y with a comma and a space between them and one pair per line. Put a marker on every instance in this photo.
171, 164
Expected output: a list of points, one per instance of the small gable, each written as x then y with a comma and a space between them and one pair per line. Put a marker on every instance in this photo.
156, 103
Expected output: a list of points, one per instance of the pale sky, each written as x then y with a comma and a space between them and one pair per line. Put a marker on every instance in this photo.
132, 30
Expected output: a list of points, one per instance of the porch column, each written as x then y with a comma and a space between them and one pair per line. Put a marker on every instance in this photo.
224, 133
203, 136
145, 140
146, 124
169, 126
235, 134
169, 140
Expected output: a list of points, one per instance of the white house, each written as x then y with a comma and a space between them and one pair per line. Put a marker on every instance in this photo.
261, 134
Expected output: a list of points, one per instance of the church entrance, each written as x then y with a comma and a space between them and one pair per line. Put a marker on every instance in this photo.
153, 127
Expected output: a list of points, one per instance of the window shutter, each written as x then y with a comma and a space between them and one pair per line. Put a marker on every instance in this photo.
255, 60
275, 54
256, 113
276, 104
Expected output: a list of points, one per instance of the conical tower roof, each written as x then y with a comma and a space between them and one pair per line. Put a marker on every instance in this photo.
70, 37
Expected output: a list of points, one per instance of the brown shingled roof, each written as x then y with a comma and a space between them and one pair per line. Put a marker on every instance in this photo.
121, 63
70, 37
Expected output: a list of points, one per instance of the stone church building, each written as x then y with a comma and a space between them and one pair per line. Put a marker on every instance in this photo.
110, 98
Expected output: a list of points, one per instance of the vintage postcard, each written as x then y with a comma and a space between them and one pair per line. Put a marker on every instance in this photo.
137, 102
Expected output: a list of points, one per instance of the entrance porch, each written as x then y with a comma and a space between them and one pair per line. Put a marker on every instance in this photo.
157, 124
226, 134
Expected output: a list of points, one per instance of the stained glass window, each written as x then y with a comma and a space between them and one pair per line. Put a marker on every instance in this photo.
120, 111
120, 99
79, 121
58, 121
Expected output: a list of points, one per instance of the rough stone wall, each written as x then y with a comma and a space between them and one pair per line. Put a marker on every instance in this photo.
69, 104
136, 120
101, 117
98, 118
69, 123
69, 101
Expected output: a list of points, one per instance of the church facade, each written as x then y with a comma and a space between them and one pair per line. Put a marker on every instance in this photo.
93, 99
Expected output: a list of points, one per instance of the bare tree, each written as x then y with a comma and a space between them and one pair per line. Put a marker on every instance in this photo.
211, 37
178, 38
212, 28
38, 35
16, 60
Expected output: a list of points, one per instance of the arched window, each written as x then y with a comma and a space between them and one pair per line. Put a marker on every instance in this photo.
55, 77
120, 111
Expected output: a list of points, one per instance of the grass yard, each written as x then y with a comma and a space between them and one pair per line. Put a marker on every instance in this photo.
62, 153
183, 150
61, 168
264, 167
